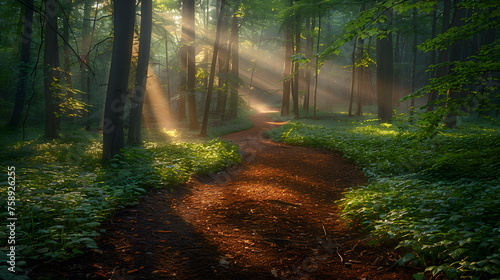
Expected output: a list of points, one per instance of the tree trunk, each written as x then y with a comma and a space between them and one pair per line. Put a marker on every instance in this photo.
182, 88
360, 70
233, 103
220, 109
317, 67
433, 94
353, 76
443, 54
398, 51
139, 94
308, 53
285, 105
51, 71
206, 113
167, 77
84, 72
455, 56
188, 13
384, 55
413, 60
22, 79
296, 76
124, 19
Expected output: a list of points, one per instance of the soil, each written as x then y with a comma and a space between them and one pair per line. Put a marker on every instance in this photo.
273, 216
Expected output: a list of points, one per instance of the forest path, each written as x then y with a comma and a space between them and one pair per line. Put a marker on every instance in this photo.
271, 217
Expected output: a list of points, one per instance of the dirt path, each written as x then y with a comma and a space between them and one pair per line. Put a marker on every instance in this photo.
272, 217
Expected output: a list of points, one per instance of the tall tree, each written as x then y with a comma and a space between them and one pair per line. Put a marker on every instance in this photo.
211, 79
167, 76
287, 71
84, 56
224, 57
51, 71
139, 94
188, 31
432, 95
308, 52
183, 53
384, 53
320, 14
234, 79
360, 69
456, 55
22, 78
443, 54
353, 76
124, 20
413, 59
296, 66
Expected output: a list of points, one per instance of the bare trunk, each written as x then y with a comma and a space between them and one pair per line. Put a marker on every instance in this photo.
51, 65
233, 103
139, 94
385, 75
113, 137
22, 79
206, 113
191, 63
285, 106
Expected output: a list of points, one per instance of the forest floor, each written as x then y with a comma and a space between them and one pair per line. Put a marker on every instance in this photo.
271, 217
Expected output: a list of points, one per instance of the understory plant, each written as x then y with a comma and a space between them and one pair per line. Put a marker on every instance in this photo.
64, 193
435, 192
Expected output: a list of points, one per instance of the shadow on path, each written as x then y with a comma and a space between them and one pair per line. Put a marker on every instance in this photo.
271, 217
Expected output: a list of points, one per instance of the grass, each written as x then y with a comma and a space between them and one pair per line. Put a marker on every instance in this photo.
63, 193
438, 197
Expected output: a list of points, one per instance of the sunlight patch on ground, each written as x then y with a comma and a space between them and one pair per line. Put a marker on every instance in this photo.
171, 132
263, 108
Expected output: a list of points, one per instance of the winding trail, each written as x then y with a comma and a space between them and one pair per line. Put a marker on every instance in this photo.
271, 217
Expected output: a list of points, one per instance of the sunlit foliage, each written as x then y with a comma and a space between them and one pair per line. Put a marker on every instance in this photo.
438, 197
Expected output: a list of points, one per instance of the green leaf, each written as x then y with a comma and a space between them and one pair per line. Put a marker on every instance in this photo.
418, 276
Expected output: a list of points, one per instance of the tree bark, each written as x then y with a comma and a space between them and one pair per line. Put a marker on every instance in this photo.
433, 94
296, 76
113, 137
183, 53
384, 55
84, 72
285, 106
139, 94
316, 67
360, 70
220, 109
51, 71
22, 79
443, 54
233, 102
308, 53
167, 76
413, 60
206, 113
456, 55
188, 5
353, 76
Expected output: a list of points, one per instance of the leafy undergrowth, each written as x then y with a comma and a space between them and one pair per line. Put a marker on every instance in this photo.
439, 196
63, 193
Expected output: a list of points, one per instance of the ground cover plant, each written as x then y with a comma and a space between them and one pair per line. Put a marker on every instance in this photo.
64, 193
436, 194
